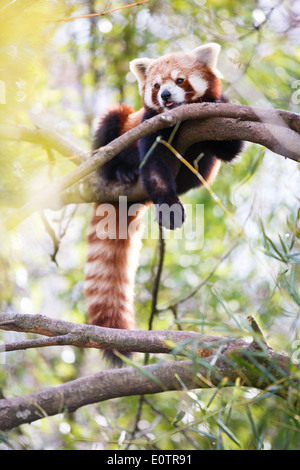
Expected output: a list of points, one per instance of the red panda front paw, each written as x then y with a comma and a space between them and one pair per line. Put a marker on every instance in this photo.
170, 215
127, 175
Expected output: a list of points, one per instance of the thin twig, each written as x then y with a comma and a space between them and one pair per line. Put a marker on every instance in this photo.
174, 305
156, 284
94, 15
259, 338
38, 343
169, 420
155, 290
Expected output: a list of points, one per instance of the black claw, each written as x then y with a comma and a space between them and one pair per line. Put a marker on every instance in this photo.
126, 175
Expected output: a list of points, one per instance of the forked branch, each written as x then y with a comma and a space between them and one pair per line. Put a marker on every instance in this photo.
276, 130
216, 362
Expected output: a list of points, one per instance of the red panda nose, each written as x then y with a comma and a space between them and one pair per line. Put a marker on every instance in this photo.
166, 95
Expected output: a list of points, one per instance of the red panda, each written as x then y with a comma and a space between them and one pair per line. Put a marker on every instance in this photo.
164, 83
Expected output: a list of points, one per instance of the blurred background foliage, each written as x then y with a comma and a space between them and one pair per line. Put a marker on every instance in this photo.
62, 73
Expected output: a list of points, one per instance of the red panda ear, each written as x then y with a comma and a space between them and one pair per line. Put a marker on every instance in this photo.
208, 55
139, 67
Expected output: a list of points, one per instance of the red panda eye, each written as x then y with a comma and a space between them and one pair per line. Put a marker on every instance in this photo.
179, 81
157, 86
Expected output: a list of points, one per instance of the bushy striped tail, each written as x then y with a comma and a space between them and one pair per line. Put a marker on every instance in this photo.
113, 247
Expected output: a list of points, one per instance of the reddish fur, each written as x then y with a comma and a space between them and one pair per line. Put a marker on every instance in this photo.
187, 65
124, 112
214, 85
111, 263
132, 120
110, 275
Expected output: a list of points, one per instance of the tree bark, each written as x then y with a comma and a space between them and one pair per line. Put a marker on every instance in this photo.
216, 362
63, 333
276, 130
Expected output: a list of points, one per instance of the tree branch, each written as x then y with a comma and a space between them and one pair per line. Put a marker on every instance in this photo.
90, 336
277, 130
147, 380
46, 137
218, 361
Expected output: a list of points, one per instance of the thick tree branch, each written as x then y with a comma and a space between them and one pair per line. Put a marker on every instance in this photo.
219, 362
222, 366
46, 137
277, 130
127, 382
90, 336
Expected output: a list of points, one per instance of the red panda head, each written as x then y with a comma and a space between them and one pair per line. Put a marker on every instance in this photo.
179, 78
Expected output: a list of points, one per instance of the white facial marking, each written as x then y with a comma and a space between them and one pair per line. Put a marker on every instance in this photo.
148, 97
174, 74
177, 93
157, 79
199, 84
